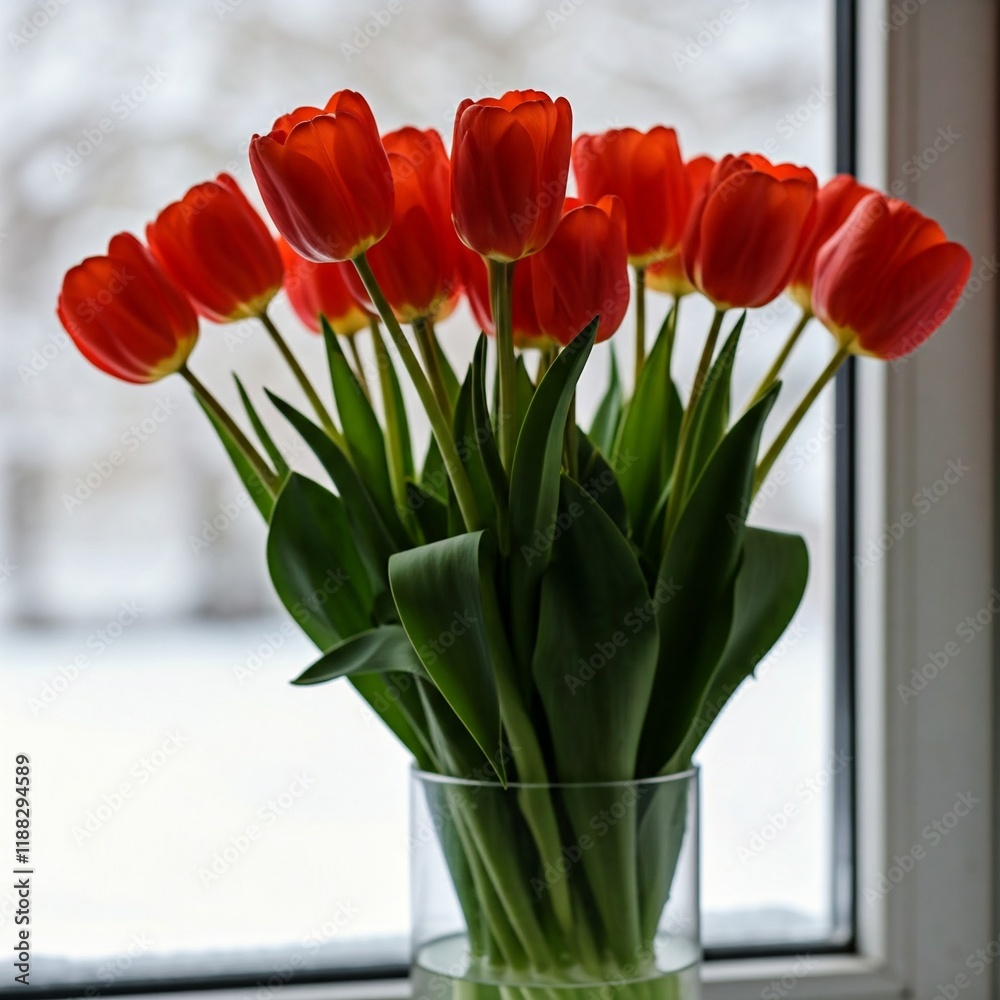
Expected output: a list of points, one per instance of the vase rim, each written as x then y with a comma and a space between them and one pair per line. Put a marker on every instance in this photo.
659, 779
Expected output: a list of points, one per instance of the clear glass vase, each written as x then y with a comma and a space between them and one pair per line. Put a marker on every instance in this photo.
561, 892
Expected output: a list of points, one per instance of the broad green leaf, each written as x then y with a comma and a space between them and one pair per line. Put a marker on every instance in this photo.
258, 492
643, 454
381, 539
315, 565
430, 512
433, 475
404, 426
273, 451
438, 590
451, 383
599, 480
524, 389
609, 411
663, 820
694, 589
395, 699
362, 430
470, 453
596, 650
769, 588
377, 651
534, 484
711, 416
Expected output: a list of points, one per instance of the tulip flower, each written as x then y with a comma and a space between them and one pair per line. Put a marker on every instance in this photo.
510, 164
325, 179
475, 281
835, 201
583, 272
748, 229
218, 250
887, 279
316, 290
125, 314
416, 264
668, 275
646, 172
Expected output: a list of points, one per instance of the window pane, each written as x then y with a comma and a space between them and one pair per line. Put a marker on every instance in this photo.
145, 660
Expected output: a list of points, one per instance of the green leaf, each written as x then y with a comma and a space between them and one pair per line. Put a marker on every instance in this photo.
258, 492
769, 588
395, 698
430, 512
483, 429
596, 650
273, 451
377, 651
644, 448
380, 539
404, 427
450, 379
534, 484
524, 389
315, 565
433, 475
599, 480
609, 411
438, 589
694, 590
470, 453
711, 416
362, 430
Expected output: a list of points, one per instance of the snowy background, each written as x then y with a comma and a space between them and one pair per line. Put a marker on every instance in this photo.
147, 677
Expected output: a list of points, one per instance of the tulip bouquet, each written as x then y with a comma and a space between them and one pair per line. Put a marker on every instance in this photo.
529, 602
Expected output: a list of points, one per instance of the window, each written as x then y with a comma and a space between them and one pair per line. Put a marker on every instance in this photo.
145, 662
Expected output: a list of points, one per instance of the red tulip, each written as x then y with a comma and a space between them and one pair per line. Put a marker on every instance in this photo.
510, 164
316, 290
646, 171
325, 179
747, 230
668, 275
216, 247
476, 282
416, 265
125, 315
835, 201
888, 278
583, 272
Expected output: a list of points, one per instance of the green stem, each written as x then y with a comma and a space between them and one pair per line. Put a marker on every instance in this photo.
249, 452
397, 467
359, 368
683, 457
779, 362
640, 321
425, 341
766, 463
300, 376
438, 421
501, 288
546, 355
671, 332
